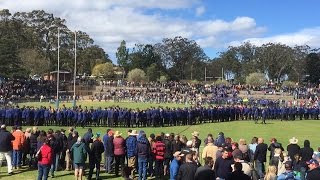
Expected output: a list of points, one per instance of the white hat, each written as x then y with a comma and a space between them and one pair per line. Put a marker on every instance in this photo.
178, 153
3, 126
293, 140
134, 133
195, 133
189, 143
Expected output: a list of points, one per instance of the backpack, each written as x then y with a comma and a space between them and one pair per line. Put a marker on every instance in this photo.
289, 176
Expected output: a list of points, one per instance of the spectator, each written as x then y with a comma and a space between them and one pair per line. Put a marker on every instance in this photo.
108, 150
175, 164
95, 156
44, 156
210, 150
293, 148
143, 150
158, 150
131, 145
271, 173
288, 174
79, 152
188, 169
314, 170
238, 174
306, 154
6, 147
119, 151
260, 157
205, 172
17, 144
222, 166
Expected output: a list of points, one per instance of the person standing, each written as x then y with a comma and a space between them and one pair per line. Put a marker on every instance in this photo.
187, 170
131, 144
79, 152
210, 150
95, 156
108, 150
175, 164
158, 151
293, 148
119, 151
306, 154
223, 165
260, 156
238, 174
143, 151
44, 156
6, 147
205, 172
17, 144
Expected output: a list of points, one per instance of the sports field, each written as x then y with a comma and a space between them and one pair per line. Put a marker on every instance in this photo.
282, 130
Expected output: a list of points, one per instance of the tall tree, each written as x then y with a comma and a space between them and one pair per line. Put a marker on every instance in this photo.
313, 67
122, 55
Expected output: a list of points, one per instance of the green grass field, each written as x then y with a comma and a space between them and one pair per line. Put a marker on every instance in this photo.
282, 130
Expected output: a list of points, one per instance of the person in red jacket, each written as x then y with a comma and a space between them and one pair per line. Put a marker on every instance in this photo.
119, 151
158, 150
44, 155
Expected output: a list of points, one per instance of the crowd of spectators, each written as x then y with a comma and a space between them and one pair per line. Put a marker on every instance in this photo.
164, 156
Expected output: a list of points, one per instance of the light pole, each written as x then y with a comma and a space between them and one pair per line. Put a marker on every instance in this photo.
75, 69
58, 72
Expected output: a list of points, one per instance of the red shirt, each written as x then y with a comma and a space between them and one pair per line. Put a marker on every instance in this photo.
158, 150
46, 155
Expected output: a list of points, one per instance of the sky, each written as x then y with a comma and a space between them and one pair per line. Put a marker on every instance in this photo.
213, 24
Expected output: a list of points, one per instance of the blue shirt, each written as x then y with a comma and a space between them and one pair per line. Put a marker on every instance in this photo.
174, 168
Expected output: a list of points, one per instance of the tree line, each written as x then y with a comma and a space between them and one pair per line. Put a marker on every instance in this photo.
28, 45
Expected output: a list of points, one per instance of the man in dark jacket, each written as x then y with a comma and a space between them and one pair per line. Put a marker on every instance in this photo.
238, 174
143, 151
293, 148
188, 169
108, 150
260, 156
205, 172
222, 166
95, 156
274, 144
306, 154
314, 170
6, 147
167, 154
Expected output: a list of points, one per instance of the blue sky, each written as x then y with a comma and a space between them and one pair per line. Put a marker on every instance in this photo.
213, 24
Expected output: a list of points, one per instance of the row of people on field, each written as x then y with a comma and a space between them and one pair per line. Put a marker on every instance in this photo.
118, 116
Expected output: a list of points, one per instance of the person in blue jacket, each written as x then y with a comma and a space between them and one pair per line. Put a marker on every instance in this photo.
175, 164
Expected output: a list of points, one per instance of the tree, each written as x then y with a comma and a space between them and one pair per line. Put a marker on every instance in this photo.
105, 70
220, 82
289, 84
182, 57
33, 61
163, 79
313, 67
136, 75
122, 55
256, 79
153, 72
11, 65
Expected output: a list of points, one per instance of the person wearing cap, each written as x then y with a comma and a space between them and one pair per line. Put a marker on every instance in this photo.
131, 145
95, 156
175, 164
288, 174
205, 172
119, 151
314, 170
79, 152
143, 151
293, 148
6, 147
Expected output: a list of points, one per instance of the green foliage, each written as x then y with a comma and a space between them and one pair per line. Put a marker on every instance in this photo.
136, 75
105, 70
256, 79
163, 79
221, 82
289, 84
313, 67
122, 55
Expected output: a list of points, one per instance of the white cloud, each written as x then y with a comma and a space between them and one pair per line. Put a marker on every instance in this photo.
309, 36
109, 22
200, 10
